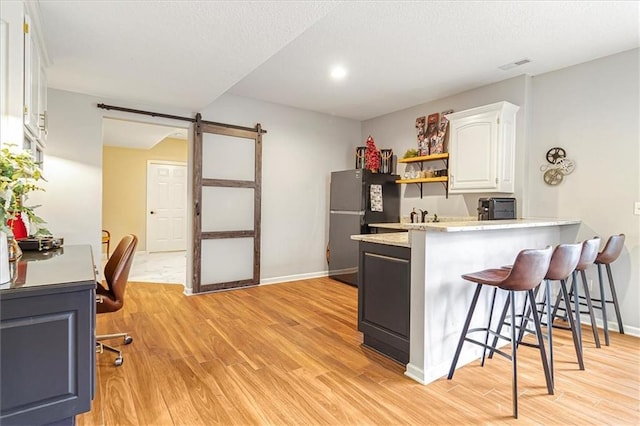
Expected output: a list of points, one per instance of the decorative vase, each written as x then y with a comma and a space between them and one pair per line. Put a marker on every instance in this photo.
18, 227
5, 274
15, 252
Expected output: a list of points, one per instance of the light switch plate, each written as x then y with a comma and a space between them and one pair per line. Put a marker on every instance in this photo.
636, 208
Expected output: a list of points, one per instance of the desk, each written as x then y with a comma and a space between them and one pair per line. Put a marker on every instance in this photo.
47, 337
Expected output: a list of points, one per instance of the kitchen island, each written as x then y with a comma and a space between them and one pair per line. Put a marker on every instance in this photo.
439, 298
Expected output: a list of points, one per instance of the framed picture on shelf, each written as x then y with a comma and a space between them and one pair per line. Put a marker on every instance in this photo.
437, 142
432, 130
423, 144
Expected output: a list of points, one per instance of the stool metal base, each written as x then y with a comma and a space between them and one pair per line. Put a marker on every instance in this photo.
509, 304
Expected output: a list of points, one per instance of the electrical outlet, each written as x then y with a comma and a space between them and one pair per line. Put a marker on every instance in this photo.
636, 208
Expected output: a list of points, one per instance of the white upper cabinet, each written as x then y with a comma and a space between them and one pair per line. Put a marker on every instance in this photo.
42, 106
482, 149
32, 80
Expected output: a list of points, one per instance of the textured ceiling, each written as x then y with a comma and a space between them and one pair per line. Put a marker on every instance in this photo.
399, 54
178, 53
130, 134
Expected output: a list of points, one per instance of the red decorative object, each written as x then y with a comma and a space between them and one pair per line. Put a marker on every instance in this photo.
372, 156
17, 227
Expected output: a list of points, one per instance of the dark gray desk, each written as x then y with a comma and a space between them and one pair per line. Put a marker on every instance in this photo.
47, 337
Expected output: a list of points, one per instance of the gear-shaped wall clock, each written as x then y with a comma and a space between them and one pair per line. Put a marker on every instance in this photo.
559, 166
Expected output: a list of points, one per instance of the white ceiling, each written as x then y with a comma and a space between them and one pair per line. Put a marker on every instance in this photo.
399, 54
130, 134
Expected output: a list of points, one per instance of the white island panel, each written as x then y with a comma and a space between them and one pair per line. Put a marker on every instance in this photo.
440, 298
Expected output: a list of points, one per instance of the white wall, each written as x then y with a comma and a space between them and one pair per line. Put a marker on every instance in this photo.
592, 111
397, 131
72, 203
299, 151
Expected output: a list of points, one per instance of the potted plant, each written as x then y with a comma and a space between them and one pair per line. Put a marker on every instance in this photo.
19, 174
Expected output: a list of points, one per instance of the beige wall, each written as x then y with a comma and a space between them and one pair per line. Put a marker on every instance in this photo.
124, 182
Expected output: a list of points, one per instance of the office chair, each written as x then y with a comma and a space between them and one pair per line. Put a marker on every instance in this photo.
111, 299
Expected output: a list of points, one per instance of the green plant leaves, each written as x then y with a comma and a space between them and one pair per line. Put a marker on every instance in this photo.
18, 176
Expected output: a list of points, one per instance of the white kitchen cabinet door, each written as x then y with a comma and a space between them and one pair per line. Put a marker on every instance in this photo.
31, 79
482, 149
42, 107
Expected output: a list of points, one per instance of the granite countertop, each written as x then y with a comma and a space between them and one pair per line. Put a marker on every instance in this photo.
400, 239
476, 225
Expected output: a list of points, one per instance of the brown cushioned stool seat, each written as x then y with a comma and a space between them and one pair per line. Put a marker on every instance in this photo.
528, 271
563, 262
587, 257
606, 257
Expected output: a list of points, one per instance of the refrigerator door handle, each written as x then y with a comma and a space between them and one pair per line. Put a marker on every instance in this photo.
361, 213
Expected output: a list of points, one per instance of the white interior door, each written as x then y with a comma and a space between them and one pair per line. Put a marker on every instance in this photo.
166, 206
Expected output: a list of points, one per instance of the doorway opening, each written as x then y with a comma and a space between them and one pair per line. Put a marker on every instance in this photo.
131, 149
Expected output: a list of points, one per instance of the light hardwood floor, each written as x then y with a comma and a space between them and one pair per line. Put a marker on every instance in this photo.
290, 354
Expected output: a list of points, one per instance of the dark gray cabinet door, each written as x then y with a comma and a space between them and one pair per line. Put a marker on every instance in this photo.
384, 290
47, 349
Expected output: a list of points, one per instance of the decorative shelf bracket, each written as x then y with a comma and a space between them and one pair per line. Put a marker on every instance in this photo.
419, 181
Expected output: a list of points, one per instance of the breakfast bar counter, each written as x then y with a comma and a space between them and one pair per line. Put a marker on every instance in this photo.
439, 298
399, 239
476, 225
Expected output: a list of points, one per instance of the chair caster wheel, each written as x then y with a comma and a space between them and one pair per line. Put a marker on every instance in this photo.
118, 362
128, 340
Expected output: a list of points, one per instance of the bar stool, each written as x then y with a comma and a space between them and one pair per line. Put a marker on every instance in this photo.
529, 269
587, 257
606, 257
563, 262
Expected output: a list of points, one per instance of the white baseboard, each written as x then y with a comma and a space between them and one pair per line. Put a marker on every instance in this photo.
267, 281
297, 277
612, 325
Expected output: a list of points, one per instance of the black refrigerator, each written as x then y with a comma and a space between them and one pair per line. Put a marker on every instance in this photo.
353, 205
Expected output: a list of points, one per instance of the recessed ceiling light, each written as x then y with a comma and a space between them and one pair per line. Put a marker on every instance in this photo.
338, 72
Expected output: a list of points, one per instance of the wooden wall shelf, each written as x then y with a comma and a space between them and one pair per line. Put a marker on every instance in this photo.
444, 156
421, 160
424, 180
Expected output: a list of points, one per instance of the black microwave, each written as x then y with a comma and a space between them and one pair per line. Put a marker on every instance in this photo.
496, 208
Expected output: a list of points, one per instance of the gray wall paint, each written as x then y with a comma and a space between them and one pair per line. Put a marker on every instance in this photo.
299, 152
72, 203
592, 111
397, 131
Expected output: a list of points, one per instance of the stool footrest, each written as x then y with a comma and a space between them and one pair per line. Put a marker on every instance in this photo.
491, 332
593, 299
486, 346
